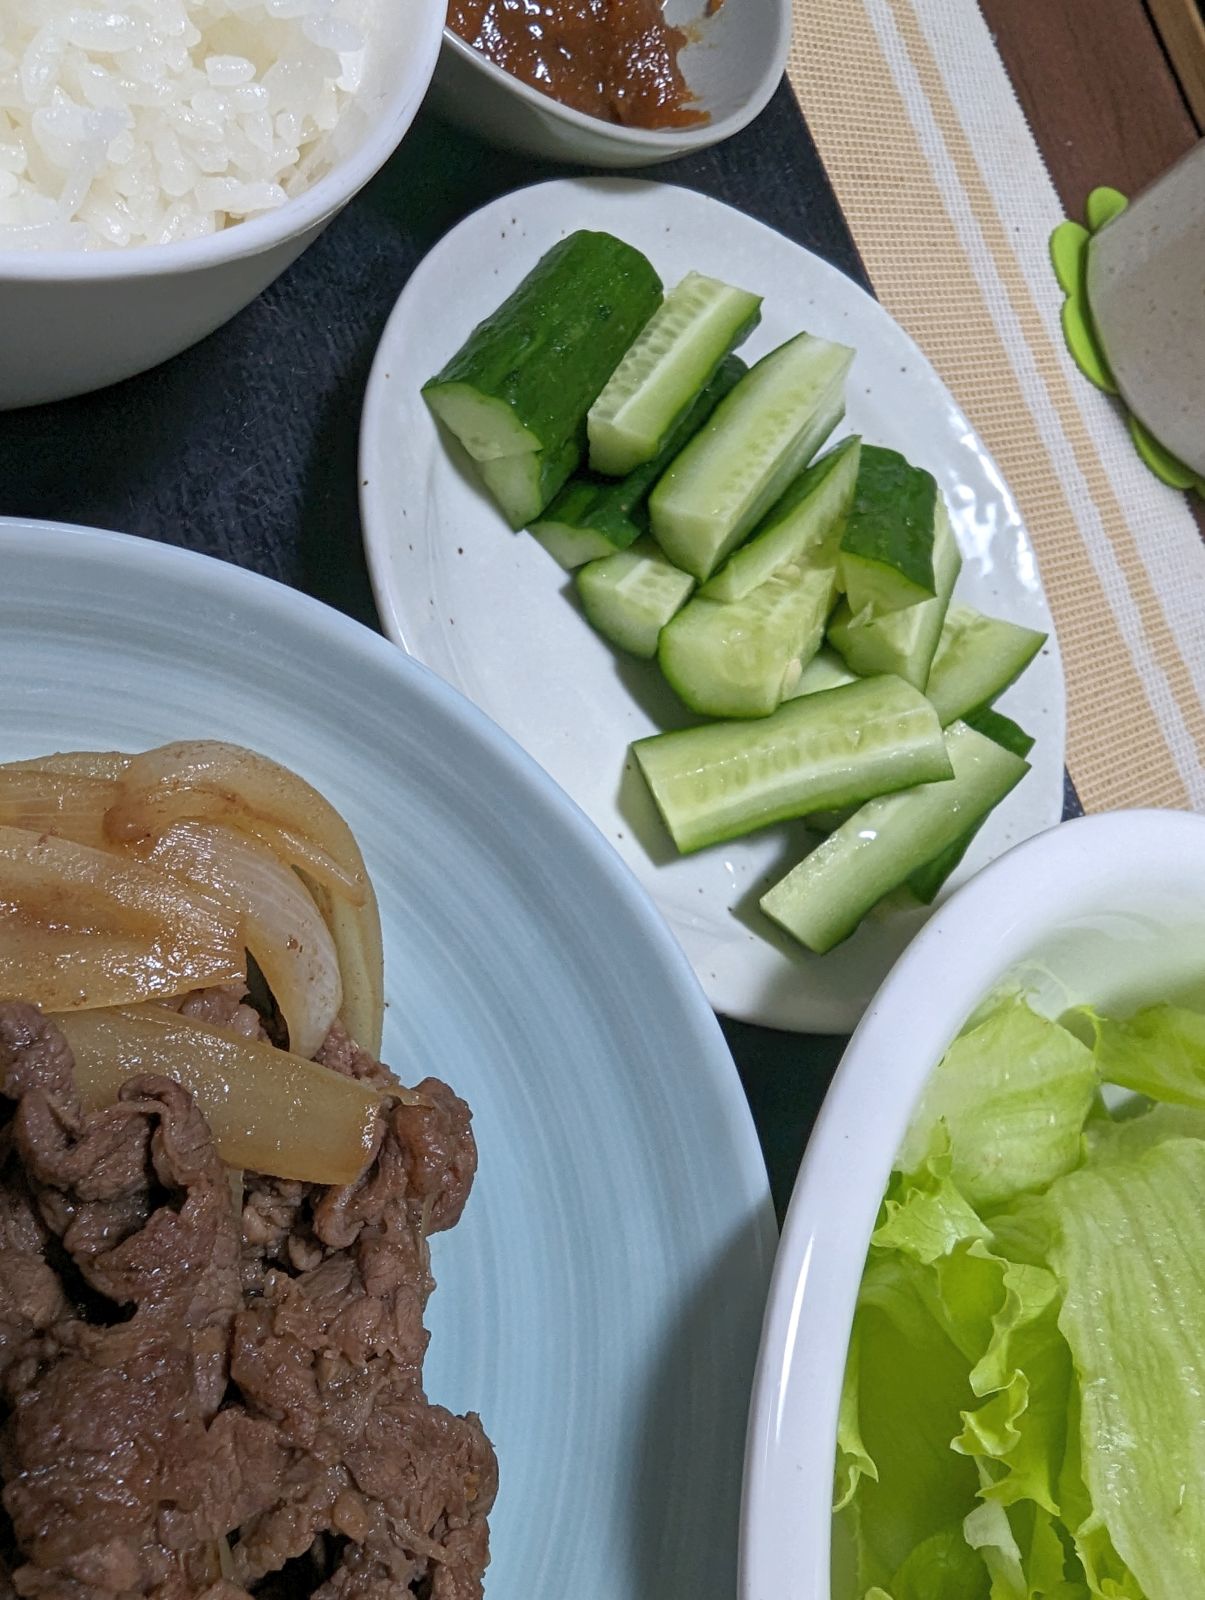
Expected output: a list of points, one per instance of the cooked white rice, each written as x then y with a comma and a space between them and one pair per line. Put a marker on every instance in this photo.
150, 121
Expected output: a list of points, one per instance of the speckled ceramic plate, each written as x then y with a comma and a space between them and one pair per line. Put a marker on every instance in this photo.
492, 613
599, 1304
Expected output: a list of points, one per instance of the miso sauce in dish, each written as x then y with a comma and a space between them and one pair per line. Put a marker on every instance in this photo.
612, 59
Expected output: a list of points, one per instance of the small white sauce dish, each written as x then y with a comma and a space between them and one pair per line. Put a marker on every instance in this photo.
76, 320
733, 64
1107, 910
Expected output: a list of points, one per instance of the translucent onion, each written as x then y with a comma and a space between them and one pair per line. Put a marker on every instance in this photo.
76, 763
269, 1111
56, 802
80, 927
356, 931
208, 781
281, 924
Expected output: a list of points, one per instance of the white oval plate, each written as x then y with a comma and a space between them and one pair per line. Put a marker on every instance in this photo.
599, 1303
492, 613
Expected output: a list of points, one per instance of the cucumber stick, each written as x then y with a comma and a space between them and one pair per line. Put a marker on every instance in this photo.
824, 898
977, 658
926, 881
887, 546
522, 485
810, 513
758, 439
901, 642
631, 595
594, 516
725, 779
676, 353
526, 376
736, 660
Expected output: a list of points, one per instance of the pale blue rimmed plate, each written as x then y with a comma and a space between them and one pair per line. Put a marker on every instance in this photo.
600, 1302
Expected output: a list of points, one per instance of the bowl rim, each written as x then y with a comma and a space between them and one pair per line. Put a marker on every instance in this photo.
983, 931
666, 141
256, 235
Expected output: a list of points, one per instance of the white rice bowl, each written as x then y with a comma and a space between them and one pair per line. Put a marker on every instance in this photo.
153, 121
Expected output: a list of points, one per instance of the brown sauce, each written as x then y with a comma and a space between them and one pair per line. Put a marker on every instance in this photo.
614, 59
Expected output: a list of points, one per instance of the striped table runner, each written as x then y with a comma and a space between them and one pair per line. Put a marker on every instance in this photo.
951, 207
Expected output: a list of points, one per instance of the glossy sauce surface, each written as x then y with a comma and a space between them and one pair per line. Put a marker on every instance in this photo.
613, 59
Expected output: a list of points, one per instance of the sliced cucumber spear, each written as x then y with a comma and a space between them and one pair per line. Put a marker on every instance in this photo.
977, 658
725, 779
631, 595
810, 514
736, 660
735, 650
758, 439
523, 485
823, 899
926, 882
676, 353
526, 376
887, 554
901, 642
594, 516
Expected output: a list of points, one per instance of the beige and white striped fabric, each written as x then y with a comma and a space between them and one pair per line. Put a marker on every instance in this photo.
951, 208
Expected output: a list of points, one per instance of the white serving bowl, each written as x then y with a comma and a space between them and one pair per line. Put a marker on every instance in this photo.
75, 320
732, 65
1108, 910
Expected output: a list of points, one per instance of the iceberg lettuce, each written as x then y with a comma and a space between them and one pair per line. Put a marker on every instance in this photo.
1023, 1415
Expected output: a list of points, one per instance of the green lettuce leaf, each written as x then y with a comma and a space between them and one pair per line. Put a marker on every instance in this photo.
1159, 1052
911, 1384
1023, 1552
1127, 1252
853, 1463
942, 1567
1023, 1415
1013, 1093
925, 1215
1123, 1138
1018, 1435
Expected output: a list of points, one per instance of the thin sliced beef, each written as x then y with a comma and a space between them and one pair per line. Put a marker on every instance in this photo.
198, 1403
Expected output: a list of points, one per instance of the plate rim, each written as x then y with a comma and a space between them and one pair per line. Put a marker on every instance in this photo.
375, 535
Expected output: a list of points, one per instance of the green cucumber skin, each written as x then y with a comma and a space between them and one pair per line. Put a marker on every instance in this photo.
616, 458
901, 642
830, 749
887, 544
615, 508
927, 881
810, 513
735, 659
546, 352
571, 547
682, 505
1001, 730
823, 899
978, 658
628, 597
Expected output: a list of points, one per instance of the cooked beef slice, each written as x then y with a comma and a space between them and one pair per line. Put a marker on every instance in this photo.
196, 1403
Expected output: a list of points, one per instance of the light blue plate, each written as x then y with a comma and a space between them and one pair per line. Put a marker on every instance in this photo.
601, 1301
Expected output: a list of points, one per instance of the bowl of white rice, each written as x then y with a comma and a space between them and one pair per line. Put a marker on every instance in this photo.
161, 161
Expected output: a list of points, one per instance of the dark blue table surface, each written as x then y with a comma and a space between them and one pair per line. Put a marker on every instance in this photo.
245, 446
